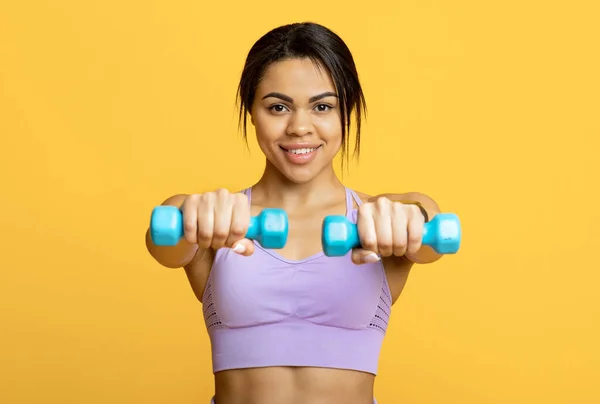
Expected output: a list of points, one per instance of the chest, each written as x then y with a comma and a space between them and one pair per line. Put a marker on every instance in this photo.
304, 233
267, 288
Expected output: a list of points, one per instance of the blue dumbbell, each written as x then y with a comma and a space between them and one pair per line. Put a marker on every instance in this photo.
339, 235
269, 228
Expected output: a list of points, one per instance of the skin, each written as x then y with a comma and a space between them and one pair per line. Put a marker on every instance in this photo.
387, 227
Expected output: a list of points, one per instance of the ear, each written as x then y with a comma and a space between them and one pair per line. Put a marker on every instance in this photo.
251, 119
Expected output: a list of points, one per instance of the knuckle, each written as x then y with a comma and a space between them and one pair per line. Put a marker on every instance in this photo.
365, 208
208, 197
237, 230
397, 207
384, 245
203, 243
383, 202
190, 239
369, 244
220, 234
415, 237
413, 248
204, 234
189, 226
222, 192
242, 198
191, 200
400, 248
400, 244
414, 210
399, 252
385, 251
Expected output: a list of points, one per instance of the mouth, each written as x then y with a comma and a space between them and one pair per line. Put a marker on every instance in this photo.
296, 150
300, 155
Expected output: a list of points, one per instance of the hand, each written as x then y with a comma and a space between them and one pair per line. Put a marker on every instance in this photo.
387, 228
217, 219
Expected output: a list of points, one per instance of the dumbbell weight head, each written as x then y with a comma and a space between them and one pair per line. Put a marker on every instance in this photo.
166, 225
443, 233
269, 228
338, 236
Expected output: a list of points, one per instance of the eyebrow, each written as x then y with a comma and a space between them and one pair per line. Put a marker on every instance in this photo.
291, 100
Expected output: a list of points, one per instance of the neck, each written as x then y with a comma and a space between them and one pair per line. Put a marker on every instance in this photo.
275, 188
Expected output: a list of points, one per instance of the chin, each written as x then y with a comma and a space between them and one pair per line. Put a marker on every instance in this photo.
299, 175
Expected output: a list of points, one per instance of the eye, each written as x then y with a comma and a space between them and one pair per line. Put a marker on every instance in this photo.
323, 107
277, 108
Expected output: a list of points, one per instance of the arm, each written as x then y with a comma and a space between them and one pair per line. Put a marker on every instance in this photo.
426, 254
176, 256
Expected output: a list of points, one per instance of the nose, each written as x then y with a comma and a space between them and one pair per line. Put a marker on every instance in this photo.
300, 124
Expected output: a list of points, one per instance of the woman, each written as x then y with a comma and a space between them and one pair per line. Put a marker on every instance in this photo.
292, 325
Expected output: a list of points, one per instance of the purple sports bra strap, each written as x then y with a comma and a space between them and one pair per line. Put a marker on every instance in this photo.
350, 196
355, 197
349, 204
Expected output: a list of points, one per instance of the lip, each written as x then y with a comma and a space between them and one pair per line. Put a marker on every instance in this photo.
300, 159
296, 146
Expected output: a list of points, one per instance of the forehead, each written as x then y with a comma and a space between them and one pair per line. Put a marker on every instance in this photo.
302, 78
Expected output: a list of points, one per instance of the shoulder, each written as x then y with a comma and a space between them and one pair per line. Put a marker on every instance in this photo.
400, 197
364, 197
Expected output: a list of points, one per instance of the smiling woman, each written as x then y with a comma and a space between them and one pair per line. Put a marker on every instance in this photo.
293, 325
331, 60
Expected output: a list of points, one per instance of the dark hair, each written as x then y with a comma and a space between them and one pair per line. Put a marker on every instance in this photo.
326, 49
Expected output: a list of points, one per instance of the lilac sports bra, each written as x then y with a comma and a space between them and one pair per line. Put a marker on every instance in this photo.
265, 310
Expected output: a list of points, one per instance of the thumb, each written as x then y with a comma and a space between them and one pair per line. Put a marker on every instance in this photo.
244, 247
360, 256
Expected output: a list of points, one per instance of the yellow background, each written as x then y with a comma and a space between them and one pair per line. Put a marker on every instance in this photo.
108, 107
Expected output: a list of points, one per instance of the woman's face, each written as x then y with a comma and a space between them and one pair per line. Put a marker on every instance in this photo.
296, 115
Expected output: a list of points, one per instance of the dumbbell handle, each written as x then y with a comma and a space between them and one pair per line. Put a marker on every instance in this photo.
269, 228
340, 235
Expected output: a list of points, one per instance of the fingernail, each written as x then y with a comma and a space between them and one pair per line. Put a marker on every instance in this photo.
372, 258
239, 248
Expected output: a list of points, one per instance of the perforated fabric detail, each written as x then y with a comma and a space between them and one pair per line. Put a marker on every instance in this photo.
382, 315
211, 317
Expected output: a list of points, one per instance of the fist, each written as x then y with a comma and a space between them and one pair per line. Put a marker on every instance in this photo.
217, 219
387, 228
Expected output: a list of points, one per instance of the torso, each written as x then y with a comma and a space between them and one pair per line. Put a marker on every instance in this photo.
275, 385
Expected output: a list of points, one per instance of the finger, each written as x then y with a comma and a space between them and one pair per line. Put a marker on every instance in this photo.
399, 232
240, 220
190, 219
244, 247
206, 221
361, 256
415, 226
223, 212
383, 228
366, 228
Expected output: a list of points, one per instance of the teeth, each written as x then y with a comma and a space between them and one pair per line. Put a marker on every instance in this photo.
301, 151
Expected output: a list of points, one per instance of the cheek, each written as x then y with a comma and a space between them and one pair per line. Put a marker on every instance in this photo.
330, 130
269, 128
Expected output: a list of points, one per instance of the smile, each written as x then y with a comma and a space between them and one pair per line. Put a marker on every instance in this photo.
300, 155
300, 151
